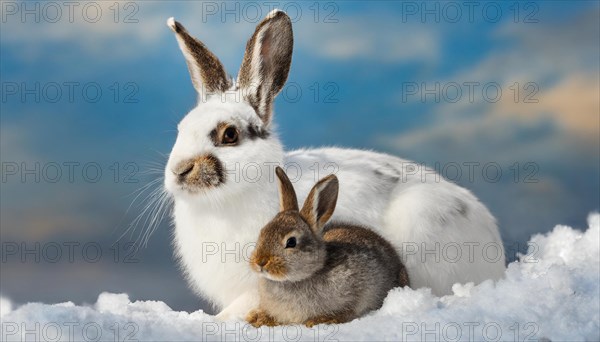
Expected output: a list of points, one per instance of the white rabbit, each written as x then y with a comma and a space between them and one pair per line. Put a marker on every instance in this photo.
221, 174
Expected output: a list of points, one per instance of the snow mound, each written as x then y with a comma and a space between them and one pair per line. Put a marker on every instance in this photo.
552, 293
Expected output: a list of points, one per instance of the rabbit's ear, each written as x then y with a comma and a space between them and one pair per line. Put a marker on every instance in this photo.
287, 195
267, 62
207, 72
320, 203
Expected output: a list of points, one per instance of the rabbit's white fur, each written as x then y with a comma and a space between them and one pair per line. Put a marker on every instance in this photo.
411, 206
428, 219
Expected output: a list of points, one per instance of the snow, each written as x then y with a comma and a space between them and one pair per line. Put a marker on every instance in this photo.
552, 293
5, 306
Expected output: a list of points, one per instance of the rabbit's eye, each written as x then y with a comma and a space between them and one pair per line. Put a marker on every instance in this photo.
230, 136
290, 243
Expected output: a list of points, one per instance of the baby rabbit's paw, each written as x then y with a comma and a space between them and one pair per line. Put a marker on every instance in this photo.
258, 318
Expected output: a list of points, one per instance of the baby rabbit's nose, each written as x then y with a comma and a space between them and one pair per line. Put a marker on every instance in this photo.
262, 262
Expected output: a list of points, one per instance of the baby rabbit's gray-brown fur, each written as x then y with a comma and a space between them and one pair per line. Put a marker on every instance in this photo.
313, 272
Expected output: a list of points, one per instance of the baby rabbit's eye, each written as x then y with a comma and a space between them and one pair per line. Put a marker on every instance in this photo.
290, 243
230, 136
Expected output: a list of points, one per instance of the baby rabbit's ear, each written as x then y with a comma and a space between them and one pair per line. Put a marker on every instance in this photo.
287, 195
320, 204
207, 72
267, 63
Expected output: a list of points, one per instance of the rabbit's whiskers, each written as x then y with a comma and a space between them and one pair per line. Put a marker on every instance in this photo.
153, 202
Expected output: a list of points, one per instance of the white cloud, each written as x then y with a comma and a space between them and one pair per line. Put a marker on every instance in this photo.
374, 38
560, 59
100, 36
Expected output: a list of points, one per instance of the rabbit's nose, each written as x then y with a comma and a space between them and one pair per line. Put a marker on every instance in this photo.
184, 168
205, 170
262, 262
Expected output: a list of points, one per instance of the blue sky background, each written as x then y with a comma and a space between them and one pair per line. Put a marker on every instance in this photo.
363, 61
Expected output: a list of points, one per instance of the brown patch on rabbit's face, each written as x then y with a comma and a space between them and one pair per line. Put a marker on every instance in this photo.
287, 250
204, 171
227, 134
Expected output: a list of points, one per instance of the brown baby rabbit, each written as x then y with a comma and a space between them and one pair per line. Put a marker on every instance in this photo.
313, 273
